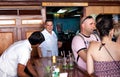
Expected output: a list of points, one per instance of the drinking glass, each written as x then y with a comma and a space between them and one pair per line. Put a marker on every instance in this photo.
49, 61
60, 63
49, 53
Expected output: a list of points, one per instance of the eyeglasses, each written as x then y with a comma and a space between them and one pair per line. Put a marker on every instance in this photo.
88, 17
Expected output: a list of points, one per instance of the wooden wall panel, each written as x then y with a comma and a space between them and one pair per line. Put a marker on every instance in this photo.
6, 40
19, 27
93, 10
111, 9
7, 37
39, 2
26, 31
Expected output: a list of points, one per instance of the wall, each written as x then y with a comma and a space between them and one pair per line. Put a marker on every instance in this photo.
67, 24
102, 9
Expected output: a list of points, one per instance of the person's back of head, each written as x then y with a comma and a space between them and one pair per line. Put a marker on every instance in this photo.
104, 26
98, 17
36, 38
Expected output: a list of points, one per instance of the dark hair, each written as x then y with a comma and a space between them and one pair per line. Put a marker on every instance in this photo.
88, 17
36, 38
48, 20
105, 25
100, 16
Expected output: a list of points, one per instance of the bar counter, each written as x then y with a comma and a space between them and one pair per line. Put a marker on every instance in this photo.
41, 66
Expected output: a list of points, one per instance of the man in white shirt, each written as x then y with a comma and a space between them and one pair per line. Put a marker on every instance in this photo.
51, 40
15, 58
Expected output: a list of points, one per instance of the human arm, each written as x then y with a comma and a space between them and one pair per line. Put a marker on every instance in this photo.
83, 54
23, 60
36, 52
20, 71
39, 51
78, 46
90, 64
31, 69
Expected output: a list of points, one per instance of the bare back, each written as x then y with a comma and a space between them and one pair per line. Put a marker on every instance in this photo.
102, 54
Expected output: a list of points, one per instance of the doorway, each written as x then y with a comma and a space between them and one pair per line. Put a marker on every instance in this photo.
66, 23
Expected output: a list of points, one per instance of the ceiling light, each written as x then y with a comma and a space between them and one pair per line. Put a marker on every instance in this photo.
77, 15
61, 11
73, 9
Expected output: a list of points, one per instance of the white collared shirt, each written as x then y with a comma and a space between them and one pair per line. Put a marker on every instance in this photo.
50, 43
19, 52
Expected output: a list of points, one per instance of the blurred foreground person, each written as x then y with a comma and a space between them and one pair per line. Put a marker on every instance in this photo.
103, 58
15, 58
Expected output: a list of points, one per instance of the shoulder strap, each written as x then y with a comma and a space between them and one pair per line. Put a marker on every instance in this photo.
109, 53
112, 57
83, 40
96, 37
84, 43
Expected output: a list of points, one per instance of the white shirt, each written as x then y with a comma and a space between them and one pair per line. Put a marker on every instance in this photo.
50, 43
19, 52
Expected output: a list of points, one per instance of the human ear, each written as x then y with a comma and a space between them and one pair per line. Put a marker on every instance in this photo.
111, 33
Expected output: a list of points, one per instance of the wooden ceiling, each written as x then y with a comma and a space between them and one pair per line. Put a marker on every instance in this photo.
39, 2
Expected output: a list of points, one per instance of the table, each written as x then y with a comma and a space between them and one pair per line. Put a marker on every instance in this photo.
41, 63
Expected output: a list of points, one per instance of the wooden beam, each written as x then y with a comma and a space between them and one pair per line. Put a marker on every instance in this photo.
20, 3
68, 2
64, 4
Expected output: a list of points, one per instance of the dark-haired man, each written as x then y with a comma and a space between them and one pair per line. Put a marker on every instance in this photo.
51, 40
15, 58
